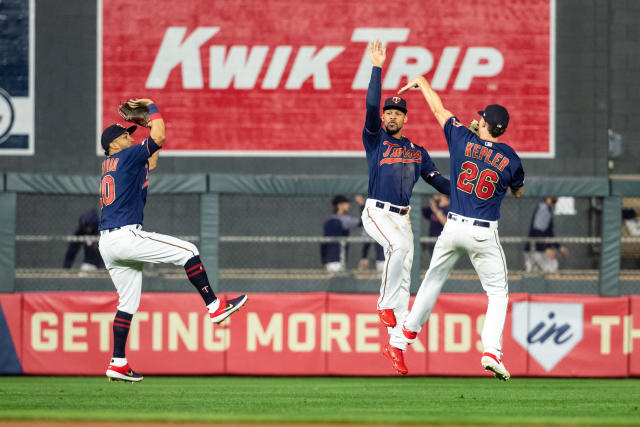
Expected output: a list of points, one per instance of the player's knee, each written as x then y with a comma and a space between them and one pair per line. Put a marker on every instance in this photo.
129, 305
497, 291
193, 249
190, 253
401, 247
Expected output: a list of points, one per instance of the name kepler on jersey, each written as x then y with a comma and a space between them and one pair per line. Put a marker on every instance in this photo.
484, 153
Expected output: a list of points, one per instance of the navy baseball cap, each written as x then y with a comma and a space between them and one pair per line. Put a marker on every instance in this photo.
114, 131
495, 115
395, 102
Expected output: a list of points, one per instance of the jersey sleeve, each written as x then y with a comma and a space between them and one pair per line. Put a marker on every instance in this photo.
517, 179
373, 123
144, 150
427, 168
455, 132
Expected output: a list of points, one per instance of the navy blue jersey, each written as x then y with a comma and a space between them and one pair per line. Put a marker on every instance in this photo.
395, 165
123, 186
481, 172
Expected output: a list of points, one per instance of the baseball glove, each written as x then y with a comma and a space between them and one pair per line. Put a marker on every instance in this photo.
137, 115
474, 127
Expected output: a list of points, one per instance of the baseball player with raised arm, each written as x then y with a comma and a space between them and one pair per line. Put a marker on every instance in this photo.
482, 169
395, 165
124, 246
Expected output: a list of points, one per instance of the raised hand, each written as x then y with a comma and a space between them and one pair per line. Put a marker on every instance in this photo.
417, 82
377, 53
133, 103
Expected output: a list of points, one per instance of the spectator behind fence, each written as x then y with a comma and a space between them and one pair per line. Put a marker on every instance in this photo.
338, 226
543, 256
87, 226
436, 213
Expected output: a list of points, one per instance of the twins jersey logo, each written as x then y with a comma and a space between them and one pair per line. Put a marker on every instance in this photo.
398, 154
548, 331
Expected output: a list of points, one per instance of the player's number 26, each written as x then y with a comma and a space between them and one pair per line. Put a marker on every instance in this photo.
484, 184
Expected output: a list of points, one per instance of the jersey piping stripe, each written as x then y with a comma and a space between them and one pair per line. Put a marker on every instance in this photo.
161, 241
386, 267
504, 262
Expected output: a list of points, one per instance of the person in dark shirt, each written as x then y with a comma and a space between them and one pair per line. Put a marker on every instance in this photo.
338, 225
436, 213
87, 226
543, 256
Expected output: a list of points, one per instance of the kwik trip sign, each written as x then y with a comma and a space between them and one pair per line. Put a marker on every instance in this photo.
289, 78
69, 333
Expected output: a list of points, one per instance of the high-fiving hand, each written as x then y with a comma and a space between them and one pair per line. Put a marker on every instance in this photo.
377, 53
417, 82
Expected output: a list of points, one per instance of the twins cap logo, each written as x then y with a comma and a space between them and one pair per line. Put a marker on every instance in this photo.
548, 331
396, 99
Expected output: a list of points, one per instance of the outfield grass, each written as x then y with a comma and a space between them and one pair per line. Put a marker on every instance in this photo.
324, 400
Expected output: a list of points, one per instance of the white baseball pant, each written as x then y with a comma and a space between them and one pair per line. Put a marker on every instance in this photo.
126, 249
393, 232
482, 245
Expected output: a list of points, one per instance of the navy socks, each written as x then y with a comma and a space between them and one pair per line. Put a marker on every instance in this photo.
198, 277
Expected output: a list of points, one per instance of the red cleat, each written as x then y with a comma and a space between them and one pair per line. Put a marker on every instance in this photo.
396, 356
226, 307
387, 318
123, 373
410, 336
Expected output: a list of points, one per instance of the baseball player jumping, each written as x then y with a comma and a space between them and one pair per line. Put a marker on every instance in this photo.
124, 246
395, 164
482, 169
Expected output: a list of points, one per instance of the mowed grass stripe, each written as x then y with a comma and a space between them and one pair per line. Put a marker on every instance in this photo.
324, 400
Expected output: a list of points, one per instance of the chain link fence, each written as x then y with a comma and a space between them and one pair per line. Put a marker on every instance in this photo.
57, 241
271, 243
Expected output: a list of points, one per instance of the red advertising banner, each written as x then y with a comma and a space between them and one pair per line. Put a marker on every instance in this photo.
281, 333
631, 338
569, 336
69, 333
289, 78
356, 339
453, 333
11, 306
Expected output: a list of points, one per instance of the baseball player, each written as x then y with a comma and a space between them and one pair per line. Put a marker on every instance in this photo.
482, 169
124, 246
395, 164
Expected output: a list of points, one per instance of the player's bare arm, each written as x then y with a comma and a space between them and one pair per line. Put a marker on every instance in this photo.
432, 98
517, 192
157, 125
153, 160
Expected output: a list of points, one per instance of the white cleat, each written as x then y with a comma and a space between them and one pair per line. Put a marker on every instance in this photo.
491, 363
